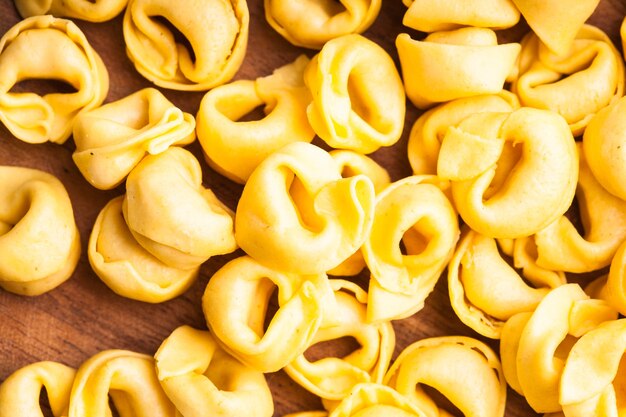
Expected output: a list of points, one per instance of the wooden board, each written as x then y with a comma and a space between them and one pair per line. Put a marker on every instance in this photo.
83, 317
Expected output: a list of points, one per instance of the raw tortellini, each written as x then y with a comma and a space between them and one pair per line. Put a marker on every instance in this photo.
39, 239
91, 10
216, 30
45, 47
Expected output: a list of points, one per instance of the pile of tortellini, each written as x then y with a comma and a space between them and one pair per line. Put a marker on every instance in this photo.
519, 182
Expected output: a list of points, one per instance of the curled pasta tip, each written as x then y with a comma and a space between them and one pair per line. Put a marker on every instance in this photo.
527, 178
556, 22
126, 267
304, 303
199, 377
45, 47
576, 84
39, 239
93, 11
375, 400
234, 147
438, 15
217, 33
172, 215
604, 146
297, 214
311, 24
21, 391
416, 213
125, 378
358, 98
454, 64
112, 139
446, 364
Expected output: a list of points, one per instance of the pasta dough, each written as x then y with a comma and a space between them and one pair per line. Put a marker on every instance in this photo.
91, 10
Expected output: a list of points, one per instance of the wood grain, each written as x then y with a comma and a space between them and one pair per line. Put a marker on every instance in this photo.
83, 317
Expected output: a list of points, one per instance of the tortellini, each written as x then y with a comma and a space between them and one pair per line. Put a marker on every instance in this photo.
333, 378
126, 378
217, 31
45, 47
448, 65
233, 147
604, 146
297, 214
496, 161
39, 239
201, 379
90, 10
612, 288
358, 98
112, 139
577, 84
235, 304
375, 400
21, 391
447, 364
312, 23
413, 212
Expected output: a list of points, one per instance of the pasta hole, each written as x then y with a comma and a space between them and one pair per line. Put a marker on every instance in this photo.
358, 98
179, 37
562, 351
271, 307
347, 171
511, 155
258, 113
414, 241
335, 348
305, 206
441, 400
44, 403
43, 87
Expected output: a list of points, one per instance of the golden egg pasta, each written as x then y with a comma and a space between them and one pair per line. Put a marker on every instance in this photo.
90, 10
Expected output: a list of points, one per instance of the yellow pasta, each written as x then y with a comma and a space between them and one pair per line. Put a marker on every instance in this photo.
430, 128
296, 214
603, 146
235, 305
622, 33
448, 65
21, 391
112, 139
556, 22
312, 23
495, 161
201, 379
93, 11
615, 288
126, 267
534, 346
333, 378
233, 147
375, 400
447, 364
437, 15
413, 212
45, 47
577, 84
484, 289
308, 414
127, 378
172, 215
358, 99
39, 239
216, 31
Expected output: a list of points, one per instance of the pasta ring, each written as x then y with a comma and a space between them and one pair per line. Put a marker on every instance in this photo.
445, 363
332, 378
296, 214
172, 215
39, 239
237, 321
311, 24
20, 392
358, 98
112, 139
414, 212
45, 47
454, 64
593, 69
92, 11
234, 148
126, 267
217, 32
493, 179
200, 378
429, 129
128, 378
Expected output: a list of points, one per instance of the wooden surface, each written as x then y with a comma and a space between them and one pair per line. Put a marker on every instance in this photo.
83, 317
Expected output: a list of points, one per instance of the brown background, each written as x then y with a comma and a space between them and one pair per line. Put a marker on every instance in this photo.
83, 317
